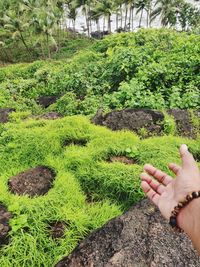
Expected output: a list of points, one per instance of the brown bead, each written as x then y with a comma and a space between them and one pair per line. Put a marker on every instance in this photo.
180, 205
174, 213
189, 197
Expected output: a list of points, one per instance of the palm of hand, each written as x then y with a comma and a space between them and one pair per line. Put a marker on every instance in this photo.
165, 192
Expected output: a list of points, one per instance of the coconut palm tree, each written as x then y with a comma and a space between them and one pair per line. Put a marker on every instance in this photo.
140, 5
106, 8
167, 10
14, 20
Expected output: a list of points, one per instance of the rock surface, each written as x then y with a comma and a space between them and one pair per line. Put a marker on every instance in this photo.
4, 114
138, 238
151, 120
33, 182
46, 101
4, 224
132, 119
183, 121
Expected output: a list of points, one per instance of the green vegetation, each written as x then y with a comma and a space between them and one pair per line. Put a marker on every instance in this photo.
157, 69
87, 191
151, 69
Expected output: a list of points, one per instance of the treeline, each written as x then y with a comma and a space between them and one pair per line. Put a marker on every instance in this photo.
45, 19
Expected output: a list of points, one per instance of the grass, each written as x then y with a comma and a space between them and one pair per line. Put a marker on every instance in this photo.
87, 191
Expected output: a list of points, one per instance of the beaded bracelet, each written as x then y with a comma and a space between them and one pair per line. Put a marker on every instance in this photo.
176, 210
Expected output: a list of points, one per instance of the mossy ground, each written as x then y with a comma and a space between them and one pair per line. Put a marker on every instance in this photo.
87, 191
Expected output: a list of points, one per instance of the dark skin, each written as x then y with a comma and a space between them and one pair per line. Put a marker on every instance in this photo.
165, 192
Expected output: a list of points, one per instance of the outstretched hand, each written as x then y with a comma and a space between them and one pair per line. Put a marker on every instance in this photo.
165, 191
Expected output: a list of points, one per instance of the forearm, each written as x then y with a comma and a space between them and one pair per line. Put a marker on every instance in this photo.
189, 221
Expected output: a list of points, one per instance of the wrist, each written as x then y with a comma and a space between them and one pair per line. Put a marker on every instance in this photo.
189, 218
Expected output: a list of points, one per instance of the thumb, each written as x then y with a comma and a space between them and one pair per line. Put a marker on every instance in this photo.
187, 158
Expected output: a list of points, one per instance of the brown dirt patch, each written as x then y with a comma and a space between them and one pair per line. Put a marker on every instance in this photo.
33, 182
4, 225
122, 159
57, 229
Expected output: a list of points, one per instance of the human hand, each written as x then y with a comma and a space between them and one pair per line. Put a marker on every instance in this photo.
165, 191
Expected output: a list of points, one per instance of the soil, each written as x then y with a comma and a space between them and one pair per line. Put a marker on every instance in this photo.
138, 238
4, 114
122, 159
4, 225
57, 229
50, 116
33, 182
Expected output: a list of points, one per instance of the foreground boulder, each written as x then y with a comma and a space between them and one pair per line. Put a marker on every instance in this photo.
33, 182
149, 121
139, 238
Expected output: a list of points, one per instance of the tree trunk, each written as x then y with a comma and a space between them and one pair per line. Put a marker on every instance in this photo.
48, 48
129, 22
132, 18
117, 18
109, 23
126, 15
121, 14
148, 18
141, 18
23, 41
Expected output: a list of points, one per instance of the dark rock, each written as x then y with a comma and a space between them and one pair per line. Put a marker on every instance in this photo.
184, 122
139, 238
132, 119
50, 116
151, 120
4, 225
99, 34
46, 101
4, 114
33, 182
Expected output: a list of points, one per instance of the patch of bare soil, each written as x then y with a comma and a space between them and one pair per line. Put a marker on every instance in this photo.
4, 225
122, 159
33, 182
57, 229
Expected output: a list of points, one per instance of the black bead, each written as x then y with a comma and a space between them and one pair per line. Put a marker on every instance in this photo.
173, 221
195, 194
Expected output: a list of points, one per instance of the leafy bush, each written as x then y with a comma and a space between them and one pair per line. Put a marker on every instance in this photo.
150, 68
